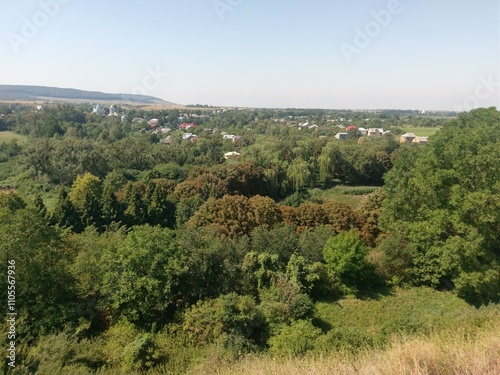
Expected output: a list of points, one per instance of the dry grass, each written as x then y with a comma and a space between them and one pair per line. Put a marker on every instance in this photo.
440, 354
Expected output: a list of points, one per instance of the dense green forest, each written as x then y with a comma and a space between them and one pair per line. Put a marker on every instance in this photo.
137, 246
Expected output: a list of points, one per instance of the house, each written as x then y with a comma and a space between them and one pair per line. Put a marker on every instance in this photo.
363, 131
375, 132
167, 140
137, 119
162, 130
98, 110
231, 154
112, 111
407, 137
421, 140
188, 136
232, 137
341, 136
188, 125
153, 122
313, 127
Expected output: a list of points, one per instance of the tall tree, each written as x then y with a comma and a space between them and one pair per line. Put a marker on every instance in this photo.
41, 260
161, 211
152, 261
444, 203
65, 214
136, 207
86, 195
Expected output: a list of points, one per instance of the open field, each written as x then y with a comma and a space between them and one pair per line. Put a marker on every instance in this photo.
421, 132
353, 196
6, 136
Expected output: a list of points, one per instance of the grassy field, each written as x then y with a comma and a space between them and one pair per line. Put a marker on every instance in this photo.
421, 132
444, 354
6, 136
353, 196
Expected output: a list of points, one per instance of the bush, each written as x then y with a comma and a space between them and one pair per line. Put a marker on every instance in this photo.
141, 353
295, 339
210, 321
283, 302
62, 353
348, 339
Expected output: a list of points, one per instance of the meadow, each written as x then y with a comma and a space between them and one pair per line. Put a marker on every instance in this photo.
7, 136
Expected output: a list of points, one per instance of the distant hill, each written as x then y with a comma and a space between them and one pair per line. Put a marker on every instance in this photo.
31, 93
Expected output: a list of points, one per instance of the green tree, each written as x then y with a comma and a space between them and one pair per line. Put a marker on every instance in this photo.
65, 214
346, 259
298, 174
186, 209
329, 162
40, 206
151, 260
443, 200
135, 203
161, 211
111, 208
84, 184
86, 195
45, 287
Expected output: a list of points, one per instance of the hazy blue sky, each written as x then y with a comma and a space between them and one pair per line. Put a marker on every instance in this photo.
419, 54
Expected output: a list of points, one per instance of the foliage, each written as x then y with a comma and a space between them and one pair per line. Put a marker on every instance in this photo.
140, 354
107, 287
41, 257
294, 340
237, 215
444, 201
213, 266
150, 259
282, 302
85, 195
346, 259
230, 314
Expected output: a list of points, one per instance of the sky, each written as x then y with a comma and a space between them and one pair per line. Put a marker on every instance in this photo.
339, 54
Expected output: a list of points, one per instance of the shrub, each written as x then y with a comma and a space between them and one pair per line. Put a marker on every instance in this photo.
141, 353
295, 339
210, 321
